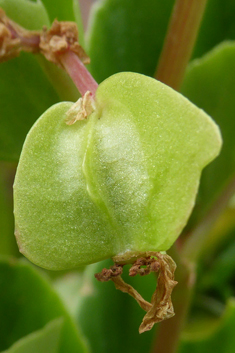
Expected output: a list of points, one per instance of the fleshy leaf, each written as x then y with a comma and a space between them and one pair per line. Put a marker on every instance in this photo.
41, 341
30, 303
127, 36
209, 83
123, 180
219, 339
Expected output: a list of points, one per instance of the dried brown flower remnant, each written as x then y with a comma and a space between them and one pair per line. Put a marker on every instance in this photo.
114, 273
81, 109
107, 274
61, 37
14, 38
161, 307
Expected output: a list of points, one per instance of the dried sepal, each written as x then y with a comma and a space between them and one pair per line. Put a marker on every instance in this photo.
81, 109
161, 307
14, 38
61, 37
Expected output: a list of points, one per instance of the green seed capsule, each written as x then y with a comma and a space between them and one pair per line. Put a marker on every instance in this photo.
123, 180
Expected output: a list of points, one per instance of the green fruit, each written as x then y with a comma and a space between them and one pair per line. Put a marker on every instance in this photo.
124, 180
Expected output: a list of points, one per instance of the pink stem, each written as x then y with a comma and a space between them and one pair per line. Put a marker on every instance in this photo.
78, 72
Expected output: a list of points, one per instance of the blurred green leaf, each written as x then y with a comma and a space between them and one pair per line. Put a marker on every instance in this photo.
70, 288
41, 341
26, 89
127, 36
28, 303
60, 9
217, 25
218, 269
68, 10
7, 239
215, 336
31, 15
25, 94
109, 318
209, 83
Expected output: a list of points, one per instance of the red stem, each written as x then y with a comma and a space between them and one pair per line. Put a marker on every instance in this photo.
78, 72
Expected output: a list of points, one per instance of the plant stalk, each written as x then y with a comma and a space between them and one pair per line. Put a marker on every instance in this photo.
179, 42
78, 72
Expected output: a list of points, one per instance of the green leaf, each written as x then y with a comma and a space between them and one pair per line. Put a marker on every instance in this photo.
110, 318
7, 240
217, 25
26, 89
127, 36
28, 303
63, 11
218, 272
68, 10
209, 83
216, 336
71, 288
124, 179
25, 94
28, 14
41, 341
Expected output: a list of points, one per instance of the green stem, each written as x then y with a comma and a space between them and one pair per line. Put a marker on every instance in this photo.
180, 39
